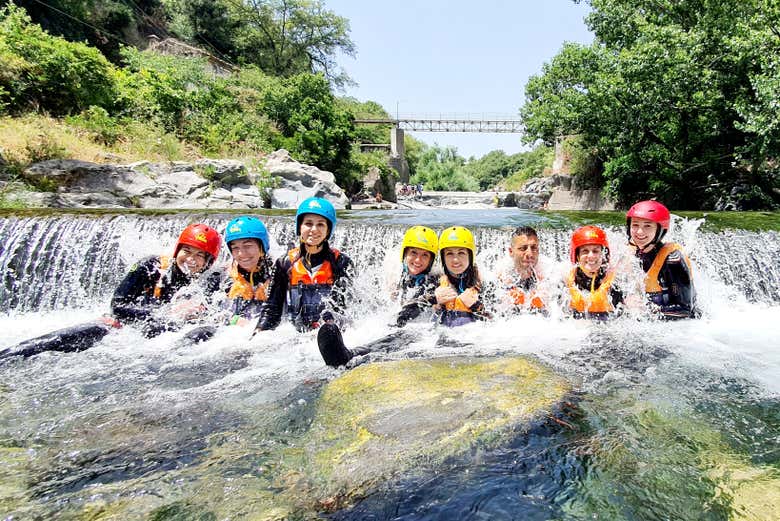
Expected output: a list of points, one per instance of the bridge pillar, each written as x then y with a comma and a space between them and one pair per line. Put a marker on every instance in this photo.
397, 160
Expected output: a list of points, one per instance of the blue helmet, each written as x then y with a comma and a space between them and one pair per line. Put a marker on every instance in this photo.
247, 227
317, 206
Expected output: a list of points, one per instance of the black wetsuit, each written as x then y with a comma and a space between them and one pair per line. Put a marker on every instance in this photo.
135, 302
677, 298
305, 303
416, 295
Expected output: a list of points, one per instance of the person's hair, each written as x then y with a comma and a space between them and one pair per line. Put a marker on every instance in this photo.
524, 230
470, 276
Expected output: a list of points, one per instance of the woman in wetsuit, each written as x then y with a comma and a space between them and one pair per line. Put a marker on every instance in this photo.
312, 277
590, 283
669, 282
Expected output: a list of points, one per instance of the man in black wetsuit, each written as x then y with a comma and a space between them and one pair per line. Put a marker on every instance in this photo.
669, 280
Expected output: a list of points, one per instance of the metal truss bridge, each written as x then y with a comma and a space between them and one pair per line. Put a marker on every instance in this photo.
493, 123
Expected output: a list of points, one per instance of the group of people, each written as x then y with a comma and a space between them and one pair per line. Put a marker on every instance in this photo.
311, 283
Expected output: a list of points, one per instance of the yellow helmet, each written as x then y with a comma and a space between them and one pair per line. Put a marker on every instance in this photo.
457, 237
420, 237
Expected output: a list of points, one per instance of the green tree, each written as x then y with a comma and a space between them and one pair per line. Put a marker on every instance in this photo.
441, 168
282, 37
669, 97
41, 71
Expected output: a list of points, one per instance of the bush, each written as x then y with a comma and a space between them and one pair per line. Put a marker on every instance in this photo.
47, 72
102, 128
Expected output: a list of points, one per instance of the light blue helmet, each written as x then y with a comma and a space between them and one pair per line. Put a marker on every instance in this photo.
317, 206
247, 227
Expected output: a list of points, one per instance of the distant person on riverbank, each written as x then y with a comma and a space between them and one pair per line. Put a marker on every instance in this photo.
520, 282
311, 280
419, 189
160, 293
460, 295
592, 292
668, 280
414, 292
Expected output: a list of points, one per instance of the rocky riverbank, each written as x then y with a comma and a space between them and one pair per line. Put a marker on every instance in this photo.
276, 181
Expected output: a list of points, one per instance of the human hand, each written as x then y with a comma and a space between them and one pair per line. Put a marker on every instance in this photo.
469, 297
445, 294
187, 310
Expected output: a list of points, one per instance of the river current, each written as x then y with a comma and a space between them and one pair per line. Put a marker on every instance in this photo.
671, 420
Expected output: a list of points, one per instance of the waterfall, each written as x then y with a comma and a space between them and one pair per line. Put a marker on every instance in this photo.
69, 261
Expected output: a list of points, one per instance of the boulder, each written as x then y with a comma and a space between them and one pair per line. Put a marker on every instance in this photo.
208, 183
380, 420
375, 182
301, 181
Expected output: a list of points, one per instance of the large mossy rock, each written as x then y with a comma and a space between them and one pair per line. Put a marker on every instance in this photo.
380, 420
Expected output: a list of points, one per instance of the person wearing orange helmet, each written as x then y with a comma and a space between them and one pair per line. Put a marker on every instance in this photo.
668, 280
592, 292
150, 284
154, 281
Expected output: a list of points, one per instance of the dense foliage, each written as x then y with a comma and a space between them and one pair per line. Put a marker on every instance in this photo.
676, 99
249, 110
280, 37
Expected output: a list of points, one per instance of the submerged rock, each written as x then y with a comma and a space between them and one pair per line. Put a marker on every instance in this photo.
380, 420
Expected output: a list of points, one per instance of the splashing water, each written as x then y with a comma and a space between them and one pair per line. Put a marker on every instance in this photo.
672, 420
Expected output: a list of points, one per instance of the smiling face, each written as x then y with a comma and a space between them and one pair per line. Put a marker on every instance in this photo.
590, 257
642, 231
192, 260
524, 251
417, 260
314, 230
456, 260
246, 252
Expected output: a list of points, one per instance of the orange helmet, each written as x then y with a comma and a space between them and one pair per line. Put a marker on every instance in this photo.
587, 235
202, 237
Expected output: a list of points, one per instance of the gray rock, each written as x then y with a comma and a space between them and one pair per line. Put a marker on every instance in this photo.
305, 180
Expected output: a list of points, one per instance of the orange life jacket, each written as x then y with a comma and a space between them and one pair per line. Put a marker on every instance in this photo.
597, 301
457, 304
651, 278
165, 263
520, 297
300, 275
244, 289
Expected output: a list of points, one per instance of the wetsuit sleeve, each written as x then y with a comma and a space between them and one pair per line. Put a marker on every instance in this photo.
133, 298
413, 308
680, 302
271, 312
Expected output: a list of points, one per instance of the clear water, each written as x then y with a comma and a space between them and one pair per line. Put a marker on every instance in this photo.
669, 420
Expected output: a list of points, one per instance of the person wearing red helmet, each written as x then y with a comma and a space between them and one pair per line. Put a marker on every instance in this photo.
155, 281
149, 285
668, 283
592, 292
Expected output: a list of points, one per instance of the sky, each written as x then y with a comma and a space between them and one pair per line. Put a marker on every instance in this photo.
456, 57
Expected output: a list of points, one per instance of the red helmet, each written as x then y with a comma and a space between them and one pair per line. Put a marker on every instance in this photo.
202, 237
652, 210
587, 235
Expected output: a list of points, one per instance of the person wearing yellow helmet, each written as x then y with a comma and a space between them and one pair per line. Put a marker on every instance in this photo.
459, 295
414, 291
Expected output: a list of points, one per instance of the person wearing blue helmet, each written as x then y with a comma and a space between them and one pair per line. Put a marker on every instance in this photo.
312, 277
250, 272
